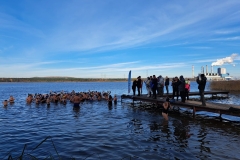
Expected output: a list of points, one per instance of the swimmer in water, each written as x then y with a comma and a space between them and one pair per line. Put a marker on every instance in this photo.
29, 98
115, 99
166, 106
110, 100
11, 99
76, 101
5, 103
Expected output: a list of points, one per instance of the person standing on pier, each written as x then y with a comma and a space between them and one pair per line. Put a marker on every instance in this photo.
201, 86
134, 85
167, 84
187, 88
160, 87
181, 88
151, 85
175, 84
154, 86
139, 85
147, 83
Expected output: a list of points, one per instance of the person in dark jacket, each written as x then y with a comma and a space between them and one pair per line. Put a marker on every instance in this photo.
201, 86
175, 84
139, 85
167, 84
154, 86
181, 89
134, 85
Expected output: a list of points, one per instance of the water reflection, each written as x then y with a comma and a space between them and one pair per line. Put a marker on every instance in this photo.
202, 138
166, 130
76, 112
154, 127
110, 107
181, 132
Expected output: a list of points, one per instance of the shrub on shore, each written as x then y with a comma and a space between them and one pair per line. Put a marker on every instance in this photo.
225, 85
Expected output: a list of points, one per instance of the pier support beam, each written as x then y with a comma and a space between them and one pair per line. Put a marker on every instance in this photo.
194, 111
220, 115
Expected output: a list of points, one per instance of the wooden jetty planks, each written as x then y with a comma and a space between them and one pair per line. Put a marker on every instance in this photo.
229, 109
205, 93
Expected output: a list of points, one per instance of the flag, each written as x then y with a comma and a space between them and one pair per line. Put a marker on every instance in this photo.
129, 81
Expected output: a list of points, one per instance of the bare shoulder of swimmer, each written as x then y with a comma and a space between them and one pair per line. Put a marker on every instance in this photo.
165, 105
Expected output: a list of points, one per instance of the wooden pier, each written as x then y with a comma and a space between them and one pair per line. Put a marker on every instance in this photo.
213, 93
228, 109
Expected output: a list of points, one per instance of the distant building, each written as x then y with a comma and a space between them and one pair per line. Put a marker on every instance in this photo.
220, 75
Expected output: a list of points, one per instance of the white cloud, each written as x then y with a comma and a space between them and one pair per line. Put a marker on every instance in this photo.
112, 69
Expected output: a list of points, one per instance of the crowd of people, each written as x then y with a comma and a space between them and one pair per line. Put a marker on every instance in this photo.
155, 86
73, 97
180, 87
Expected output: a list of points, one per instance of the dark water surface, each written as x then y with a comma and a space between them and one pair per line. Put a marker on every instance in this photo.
97, 131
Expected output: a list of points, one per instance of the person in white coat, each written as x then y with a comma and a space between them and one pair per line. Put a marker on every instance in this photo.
148, 87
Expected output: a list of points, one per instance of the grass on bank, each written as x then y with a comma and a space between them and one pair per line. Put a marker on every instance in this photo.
225, 85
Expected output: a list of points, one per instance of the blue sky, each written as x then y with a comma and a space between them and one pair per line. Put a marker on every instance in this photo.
106, 39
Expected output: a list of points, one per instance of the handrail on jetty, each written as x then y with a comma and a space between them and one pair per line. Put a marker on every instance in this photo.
228, 109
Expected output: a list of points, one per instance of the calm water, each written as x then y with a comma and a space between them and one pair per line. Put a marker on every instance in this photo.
97, 131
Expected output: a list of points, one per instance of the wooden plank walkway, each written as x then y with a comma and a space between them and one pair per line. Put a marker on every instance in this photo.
213, 93
228, 109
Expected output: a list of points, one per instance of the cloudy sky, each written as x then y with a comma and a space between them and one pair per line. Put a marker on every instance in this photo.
94, 38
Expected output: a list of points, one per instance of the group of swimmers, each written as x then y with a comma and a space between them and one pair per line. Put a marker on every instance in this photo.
10, 100
73, 97
76, 98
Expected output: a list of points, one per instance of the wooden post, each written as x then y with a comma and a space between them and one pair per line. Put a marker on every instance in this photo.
220, 115
194, 111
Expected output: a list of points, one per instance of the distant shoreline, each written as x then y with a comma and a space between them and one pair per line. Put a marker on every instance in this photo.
64, 79
70, 79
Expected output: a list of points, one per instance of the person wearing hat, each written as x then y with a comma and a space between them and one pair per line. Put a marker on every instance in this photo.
201, 86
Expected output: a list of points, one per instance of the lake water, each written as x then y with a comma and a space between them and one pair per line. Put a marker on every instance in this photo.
97, 131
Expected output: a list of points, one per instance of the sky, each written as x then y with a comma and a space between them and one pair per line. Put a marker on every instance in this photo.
108, 38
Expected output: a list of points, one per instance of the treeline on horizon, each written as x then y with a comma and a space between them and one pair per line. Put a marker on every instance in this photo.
61, 79
67, 79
